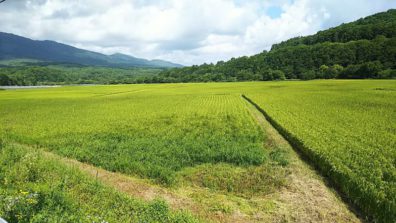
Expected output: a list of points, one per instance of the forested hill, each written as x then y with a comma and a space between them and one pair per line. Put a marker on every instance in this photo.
365, 48
366, 28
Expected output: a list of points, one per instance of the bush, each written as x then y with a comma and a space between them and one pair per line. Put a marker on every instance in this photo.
389, 73
370, 69
278, 75
330, 72
308, 75
270, 74
4, 80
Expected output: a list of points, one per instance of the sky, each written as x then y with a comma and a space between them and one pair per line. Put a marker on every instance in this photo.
182, 31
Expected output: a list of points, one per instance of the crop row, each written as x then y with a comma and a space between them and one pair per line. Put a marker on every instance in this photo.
348, 132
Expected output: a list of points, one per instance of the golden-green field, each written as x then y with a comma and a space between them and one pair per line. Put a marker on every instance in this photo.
197, 134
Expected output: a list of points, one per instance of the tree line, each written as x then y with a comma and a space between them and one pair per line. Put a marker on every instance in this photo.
51, 75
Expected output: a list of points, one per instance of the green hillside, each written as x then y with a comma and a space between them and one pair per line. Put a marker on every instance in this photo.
366, 28
14, 47
365, 48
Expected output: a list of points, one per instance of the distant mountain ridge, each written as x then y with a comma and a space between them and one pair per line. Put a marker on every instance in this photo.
18, 47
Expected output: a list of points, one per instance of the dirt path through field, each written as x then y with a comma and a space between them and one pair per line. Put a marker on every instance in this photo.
117, 93
307, 198
143, 189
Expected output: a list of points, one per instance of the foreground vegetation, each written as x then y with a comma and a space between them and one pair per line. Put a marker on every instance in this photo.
38, 188
199, 133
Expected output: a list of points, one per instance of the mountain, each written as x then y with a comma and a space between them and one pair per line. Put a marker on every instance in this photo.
365, 48
17, 47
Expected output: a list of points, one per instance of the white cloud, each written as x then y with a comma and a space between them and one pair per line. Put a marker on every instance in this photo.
184, 31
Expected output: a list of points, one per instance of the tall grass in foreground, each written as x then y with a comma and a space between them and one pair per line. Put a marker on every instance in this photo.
36, 188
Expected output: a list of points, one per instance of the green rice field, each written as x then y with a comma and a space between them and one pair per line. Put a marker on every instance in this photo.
345, 128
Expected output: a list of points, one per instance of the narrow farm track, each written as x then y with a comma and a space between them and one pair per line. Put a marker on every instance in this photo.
117, 93
307, 198
143, 189
130, 185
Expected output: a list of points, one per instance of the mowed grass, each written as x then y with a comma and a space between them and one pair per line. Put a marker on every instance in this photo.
148, 130
347, 129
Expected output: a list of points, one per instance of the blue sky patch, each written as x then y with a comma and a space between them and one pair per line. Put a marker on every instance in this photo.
274, 12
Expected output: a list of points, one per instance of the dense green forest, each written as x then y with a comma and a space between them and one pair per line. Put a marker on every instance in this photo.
52, 75
362, 49
365, 48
